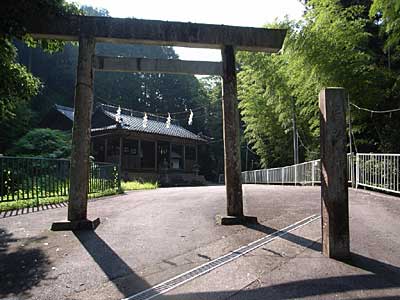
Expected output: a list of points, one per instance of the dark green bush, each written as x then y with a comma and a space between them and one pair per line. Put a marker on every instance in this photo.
43, 142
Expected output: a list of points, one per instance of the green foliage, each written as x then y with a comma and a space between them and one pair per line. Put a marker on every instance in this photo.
17, 84
261, 113
154, 93
212, 156
331, 46
43, 142
55, 76
388, 12
53, 65
20, 14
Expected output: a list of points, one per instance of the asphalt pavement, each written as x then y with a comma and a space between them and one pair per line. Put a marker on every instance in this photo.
147, 237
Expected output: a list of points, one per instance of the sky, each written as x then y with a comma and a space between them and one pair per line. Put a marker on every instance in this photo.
253, 13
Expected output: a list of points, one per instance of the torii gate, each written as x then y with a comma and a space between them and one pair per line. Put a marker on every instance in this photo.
89, 30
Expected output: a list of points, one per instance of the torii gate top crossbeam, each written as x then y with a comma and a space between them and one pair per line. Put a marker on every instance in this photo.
151, 32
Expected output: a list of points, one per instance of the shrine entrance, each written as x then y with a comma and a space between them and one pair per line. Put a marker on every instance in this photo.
89, 30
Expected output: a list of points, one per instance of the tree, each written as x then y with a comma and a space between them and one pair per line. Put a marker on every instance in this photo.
154, 93
332, 45
17, 85
388, 12
210, 119
54, 76
263, 96
43, 142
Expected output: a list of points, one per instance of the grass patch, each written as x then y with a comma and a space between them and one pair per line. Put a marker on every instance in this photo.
18, 204
137, 185
126, 186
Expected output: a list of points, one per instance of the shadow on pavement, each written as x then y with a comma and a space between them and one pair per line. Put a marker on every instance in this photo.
28, 210
314, 245
22, 268
116, 270
390, 272
384, 276
303, 289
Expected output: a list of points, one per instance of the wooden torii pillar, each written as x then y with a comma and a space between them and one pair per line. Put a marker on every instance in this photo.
334, 183
80, 152
89, 30
231, 133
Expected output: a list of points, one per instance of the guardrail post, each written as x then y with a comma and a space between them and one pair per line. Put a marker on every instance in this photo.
312, 173
397, 174
357, 170
334, 173
350, 162
384, 173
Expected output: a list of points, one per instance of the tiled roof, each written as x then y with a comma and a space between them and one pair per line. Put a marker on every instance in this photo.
131, 121
134, 121
66, 111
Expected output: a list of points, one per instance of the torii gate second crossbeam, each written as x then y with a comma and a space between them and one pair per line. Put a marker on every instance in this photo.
89, 30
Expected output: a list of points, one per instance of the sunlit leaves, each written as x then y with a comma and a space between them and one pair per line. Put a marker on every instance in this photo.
387, 13
17, 84
328, 47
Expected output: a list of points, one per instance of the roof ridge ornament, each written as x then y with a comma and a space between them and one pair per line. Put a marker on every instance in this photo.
118, 115
190, 121
145, 120
168, 123
118, 118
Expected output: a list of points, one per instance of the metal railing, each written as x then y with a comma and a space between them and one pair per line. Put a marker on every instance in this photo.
307, 173
370, 170
378, 171
24, 178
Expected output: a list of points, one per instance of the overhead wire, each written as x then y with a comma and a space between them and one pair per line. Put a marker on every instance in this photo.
186, 111
304, 146
372, 111
247, 146
375, 111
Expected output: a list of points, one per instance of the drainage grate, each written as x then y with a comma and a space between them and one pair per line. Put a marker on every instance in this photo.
181, 279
